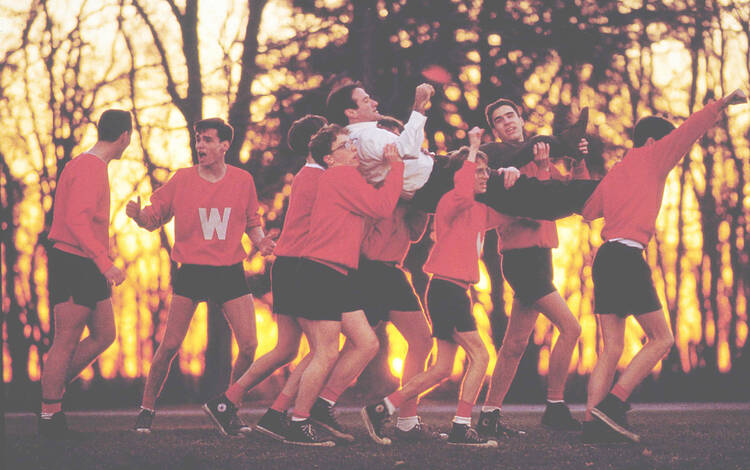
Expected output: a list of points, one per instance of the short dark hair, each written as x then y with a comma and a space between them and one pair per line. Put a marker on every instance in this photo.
390, 123
223, 129
496, 104
650, 126
112, 123
338, 101
302, 130
322, 142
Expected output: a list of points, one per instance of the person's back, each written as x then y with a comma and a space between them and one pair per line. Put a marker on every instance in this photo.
629, 199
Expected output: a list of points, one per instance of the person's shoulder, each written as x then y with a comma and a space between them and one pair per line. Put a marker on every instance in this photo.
239, 173
88, 160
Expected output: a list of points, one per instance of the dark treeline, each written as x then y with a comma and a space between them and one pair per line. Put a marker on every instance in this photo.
263, 65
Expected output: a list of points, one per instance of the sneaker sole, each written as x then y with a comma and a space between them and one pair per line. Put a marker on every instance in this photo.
311, 444
384, 441
488, 444
336, 433
142, 430
615, 427
269, 433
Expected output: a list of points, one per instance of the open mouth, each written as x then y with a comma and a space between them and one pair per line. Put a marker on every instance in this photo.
201, 155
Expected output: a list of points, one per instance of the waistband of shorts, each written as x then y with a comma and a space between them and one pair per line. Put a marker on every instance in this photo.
627, 242
459, 283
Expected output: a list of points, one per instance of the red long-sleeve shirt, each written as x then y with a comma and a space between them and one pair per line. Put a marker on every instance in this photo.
209, 217
629, 196
297, 220
80, 218
388, 239
344, 199
460, 223
521, 232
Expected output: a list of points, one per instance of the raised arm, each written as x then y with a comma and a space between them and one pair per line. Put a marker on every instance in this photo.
159, 212
669, 150
364, 199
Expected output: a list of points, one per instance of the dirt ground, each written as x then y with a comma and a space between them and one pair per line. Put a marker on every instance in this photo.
675, 436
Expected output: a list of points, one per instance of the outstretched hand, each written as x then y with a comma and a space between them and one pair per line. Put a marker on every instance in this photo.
133, 210
736, 97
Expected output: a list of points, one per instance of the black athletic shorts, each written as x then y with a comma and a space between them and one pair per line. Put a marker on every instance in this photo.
385, 287
324, 293
77, 277
449, 307
203, 282
284, 284
529, 273
622, 281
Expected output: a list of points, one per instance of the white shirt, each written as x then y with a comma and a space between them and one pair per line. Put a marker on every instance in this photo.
371, 141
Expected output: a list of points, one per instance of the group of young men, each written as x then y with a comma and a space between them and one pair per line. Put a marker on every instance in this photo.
364, 194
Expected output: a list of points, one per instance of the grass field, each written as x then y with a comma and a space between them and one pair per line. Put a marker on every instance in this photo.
675, 436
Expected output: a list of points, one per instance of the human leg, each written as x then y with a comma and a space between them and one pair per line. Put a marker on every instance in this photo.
180, 313
240, 314
102, 333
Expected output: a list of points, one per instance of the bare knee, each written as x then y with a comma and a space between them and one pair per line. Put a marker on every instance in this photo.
664, 341
327, 355
480, 359
571, 331
420, 346
440, 371
371, 347
247, 348
284, 354
513, 348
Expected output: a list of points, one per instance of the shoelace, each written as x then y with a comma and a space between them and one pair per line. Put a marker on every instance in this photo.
309, 431
472, 435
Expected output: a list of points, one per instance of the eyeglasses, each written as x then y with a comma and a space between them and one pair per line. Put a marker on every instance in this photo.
349, 144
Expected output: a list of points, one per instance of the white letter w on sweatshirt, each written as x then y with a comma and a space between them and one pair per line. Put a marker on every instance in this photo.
214, 223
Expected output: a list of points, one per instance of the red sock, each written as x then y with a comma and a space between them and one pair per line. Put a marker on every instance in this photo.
464, 409
408, 408
331, 394
620, 392
51, 406
282, 403
235, 393
396, 399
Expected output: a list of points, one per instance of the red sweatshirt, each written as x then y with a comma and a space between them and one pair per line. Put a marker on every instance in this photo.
460, 223
297, 221
344, 199
80, 219
521, 232
388, 239
629, 197
209, 218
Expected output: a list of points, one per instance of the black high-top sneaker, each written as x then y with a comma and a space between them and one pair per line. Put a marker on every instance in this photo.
611, 411
375, 416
